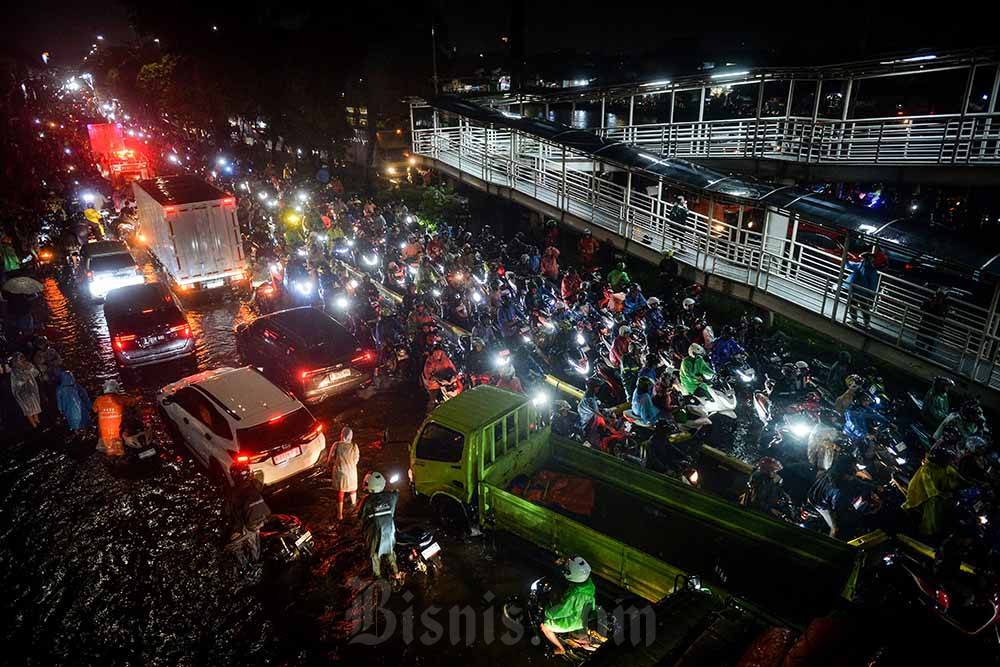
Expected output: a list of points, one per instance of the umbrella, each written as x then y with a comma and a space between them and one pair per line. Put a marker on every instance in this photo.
23, 285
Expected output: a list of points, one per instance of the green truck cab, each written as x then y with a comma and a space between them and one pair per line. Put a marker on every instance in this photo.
646, 531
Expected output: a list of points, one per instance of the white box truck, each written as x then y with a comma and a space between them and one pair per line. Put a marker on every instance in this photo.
191, 230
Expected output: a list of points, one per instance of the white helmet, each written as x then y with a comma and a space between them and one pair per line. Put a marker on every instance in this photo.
374, 482
113, 387
696, 350
576, 570
688, 303
624, 330
653, 302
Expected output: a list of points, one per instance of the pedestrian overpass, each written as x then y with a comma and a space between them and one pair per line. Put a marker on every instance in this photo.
739, 236
859, 121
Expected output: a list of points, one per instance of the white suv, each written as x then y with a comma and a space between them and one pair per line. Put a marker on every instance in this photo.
232, 416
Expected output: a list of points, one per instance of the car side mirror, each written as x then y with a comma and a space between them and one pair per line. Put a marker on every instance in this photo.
168, 400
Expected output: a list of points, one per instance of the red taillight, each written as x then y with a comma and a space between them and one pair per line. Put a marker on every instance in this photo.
242, 458
909, 267
308, 374
275, 419
90, 275
229, 201
366, 357
121, 340
169, 209
182, 330
315, 432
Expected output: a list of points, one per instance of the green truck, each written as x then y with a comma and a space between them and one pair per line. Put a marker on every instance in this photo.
645, 531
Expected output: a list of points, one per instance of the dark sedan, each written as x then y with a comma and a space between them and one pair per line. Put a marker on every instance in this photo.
308, 352
146, 325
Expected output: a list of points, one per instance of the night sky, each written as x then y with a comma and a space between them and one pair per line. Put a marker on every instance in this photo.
774, 33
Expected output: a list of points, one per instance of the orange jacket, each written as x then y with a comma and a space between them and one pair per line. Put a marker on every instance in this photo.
110, 409
437, 361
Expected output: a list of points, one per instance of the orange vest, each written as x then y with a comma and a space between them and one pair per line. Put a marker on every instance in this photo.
110, 409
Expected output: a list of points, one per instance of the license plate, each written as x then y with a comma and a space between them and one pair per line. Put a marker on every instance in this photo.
900, 447
150, 340
211, 284
431, 551
339, 375
147, 453
306, 536
287, 455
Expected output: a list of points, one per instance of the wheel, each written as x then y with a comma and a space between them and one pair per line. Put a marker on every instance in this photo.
451, 514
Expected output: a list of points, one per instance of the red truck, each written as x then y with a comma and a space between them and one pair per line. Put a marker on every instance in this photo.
117, 162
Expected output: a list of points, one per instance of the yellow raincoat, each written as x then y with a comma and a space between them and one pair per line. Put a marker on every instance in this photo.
930, 492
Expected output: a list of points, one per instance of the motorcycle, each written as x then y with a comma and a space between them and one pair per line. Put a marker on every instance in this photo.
969, 619
284, 539
529, 612
721, 400
418, 551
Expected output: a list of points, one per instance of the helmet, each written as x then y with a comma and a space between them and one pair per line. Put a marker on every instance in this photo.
687, 303
695, 350
113, 387
970, 411
624, 330
852, 380
769, 464
562, 405
374, 482
620, 266
587, 232
576, 570
940, 455
644, 384
728, 331
653, 302
942, 384
758, 321
478, 342
241, 472
801, 366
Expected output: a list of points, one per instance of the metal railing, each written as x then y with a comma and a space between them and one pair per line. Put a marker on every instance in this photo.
940, 140
964, 341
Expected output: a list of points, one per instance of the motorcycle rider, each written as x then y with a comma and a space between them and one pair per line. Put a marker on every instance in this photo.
620, 345
929, 494
477, 362
764, 491
110, 408
508, 379
968, 420
437, 365
689, 314
571, 284
831, 495
726, 348
836, 378
823, 444
588, 248
643, 408
859, 419
618, 278
571, 612
634, 300
592, 421
695, 373
247, 512
509, 317
378, 510
935, 408
628, 368
564, 422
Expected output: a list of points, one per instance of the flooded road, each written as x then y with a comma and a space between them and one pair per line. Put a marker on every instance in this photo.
125, 566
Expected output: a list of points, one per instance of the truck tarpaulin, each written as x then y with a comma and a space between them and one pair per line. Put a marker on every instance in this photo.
557, 490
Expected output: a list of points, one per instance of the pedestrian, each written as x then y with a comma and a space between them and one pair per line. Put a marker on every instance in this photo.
24, 386
862, 283
934, 310
344, 466
378, 511
110, 408
73, 402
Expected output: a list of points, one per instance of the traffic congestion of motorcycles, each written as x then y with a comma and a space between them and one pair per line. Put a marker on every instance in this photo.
642, 371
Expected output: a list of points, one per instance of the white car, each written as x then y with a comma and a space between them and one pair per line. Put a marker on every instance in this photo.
236, 416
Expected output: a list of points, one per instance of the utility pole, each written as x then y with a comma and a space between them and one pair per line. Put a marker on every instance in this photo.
434, 57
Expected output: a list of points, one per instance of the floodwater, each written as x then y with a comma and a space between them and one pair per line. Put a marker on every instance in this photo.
125, 566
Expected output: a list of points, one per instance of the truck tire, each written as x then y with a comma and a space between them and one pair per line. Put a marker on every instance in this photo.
451, 514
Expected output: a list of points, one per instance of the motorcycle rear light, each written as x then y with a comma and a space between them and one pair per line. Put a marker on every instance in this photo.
366, 357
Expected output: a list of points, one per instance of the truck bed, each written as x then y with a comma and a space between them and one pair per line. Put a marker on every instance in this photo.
647, 529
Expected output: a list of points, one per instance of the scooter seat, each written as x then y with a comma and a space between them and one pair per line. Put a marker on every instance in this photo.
414, 537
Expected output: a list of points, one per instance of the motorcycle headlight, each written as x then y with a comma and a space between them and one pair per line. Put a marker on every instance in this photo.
801, 429
477, 297
539, 399
304, 286
580, 339
341, 302
370, 260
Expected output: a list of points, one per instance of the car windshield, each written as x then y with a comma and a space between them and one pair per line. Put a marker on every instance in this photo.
289, 428
115, 262
438, 443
